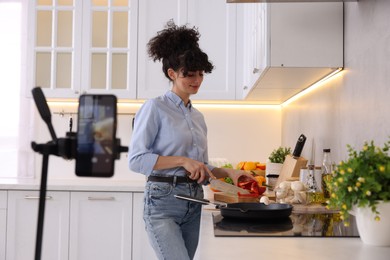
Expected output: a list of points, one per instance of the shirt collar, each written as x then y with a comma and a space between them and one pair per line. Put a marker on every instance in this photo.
176, 99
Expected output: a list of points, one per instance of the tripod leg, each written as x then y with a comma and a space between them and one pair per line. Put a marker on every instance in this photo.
41, 210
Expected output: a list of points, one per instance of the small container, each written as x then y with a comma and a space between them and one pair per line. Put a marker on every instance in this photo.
303, 174
271, 180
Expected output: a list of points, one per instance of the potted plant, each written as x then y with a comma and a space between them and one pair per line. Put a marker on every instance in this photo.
361, 186
279, 155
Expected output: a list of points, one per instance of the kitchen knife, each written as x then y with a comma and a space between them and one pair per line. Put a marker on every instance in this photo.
226, 187
299, 146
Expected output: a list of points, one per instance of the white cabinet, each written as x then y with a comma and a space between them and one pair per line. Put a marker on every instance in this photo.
287, 47
3, 223
217, 25
142, 250
216, 21
153, 15
253, 47
100, 47
22, 216
83, 46
100, 225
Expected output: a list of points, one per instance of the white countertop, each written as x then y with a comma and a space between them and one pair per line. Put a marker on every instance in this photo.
80, 184
282, 248
215, 248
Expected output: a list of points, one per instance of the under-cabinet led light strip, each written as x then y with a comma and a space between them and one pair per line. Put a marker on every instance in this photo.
310, 88
69, 107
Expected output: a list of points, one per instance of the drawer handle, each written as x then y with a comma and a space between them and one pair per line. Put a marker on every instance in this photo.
101, 198
37, 197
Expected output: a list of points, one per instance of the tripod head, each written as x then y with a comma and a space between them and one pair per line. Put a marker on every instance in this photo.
64, 147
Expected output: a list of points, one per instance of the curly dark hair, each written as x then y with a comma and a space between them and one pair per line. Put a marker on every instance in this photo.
178, 48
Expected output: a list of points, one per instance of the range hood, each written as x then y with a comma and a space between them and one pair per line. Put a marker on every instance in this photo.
285, 1
295, 46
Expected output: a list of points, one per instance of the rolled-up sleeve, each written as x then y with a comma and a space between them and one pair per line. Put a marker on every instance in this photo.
141, 157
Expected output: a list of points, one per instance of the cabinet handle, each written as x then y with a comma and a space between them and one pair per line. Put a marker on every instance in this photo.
37, 197
245, 87
255, 70
101, 198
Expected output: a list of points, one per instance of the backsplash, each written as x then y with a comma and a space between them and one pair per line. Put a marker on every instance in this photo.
352, 107
236, 133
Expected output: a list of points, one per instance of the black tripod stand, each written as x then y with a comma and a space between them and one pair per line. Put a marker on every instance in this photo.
64, 147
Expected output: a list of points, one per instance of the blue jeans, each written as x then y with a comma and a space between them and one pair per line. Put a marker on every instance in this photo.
172, 224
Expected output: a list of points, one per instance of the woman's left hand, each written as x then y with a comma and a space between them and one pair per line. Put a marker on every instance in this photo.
237, 175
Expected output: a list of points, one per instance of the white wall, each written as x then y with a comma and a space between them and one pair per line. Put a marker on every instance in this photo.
354, 106
235, 133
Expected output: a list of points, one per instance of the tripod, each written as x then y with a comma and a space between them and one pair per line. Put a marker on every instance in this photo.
64, 147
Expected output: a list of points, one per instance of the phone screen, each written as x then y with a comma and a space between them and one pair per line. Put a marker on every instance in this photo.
96, 135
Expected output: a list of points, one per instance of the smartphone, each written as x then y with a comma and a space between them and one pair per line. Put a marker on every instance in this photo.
96, 135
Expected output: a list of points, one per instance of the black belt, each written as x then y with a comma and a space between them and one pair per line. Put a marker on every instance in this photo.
171, 179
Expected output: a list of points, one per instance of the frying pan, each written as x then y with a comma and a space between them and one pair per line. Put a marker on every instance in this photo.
250, 210
266, 227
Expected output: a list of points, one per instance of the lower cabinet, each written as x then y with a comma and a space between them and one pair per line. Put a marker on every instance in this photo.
79, 225
22, 217
100, 225
3, 223
142, 250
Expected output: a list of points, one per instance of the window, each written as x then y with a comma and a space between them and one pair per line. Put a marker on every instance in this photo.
10, 85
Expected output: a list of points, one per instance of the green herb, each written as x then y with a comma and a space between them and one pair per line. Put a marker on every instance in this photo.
362, 180
228, 180
228, 165
279, 155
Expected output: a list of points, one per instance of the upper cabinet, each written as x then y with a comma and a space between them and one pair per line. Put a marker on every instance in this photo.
287, 47
84, 46
262, 52
153, 15
99, 46
216, 22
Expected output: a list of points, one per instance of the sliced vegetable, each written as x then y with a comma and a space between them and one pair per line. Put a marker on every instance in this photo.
252, 186
228, 180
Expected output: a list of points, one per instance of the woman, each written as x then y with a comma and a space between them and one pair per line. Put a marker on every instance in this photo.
169, 146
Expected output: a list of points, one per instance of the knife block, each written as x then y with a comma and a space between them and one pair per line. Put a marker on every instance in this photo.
291, 168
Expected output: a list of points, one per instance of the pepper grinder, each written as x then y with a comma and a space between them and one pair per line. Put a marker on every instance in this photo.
313, 195
311, 180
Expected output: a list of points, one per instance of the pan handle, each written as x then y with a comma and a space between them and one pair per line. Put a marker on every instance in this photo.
198, 200
193, 199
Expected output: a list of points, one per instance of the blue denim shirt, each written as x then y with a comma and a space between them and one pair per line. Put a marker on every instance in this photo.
165, 126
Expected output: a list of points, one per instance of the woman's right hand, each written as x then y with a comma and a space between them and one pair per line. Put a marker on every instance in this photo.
197, 170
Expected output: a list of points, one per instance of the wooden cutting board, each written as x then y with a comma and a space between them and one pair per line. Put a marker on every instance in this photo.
312, 209
227, 198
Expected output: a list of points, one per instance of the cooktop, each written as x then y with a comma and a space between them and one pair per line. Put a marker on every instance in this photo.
296, 225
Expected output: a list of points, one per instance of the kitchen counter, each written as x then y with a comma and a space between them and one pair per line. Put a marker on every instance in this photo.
248, 248
80, 184
213, 248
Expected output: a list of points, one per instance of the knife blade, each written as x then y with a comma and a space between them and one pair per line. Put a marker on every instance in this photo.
299, 146
226, 187
312, 156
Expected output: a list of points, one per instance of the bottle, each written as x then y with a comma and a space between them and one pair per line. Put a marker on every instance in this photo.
326, 174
